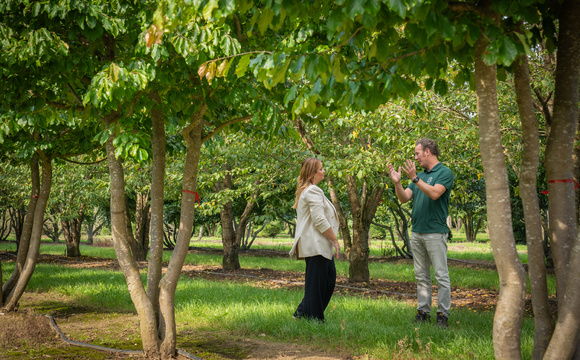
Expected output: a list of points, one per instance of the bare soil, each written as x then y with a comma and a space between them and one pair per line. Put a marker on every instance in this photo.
24, 335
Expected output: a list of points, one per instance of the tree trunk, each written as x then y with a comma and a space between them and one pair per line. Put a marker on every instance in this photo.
193, 138
363, 210
245, 217
509, 311
232, 237
14, 295
343, 222
18, 217
230, 260
158, 143
90, 228
26, 229
560, 147
565, 241
544, 324
121, 242
142, 221
72, 235
200, 235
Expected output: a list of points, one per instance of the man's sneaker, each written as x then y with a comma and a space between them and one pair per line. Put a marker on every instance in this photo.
422, 317
441, 321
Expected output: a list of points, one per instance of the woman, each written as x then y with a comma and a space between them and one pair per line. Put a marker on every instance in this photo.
315, 240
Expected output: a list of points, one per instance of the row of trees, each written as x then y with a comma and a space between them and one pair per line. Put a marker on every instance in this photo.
95, 80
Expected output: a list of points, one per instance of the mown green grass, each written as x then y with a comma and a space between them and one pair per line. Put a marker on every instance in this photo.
379, 328
460, 276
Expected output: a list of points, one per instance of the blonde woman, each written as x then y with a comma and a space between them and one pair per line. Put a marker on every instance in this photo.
315, 240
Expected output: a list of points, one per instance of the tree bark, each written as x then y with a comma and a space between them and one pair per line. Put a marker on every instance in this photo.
565, 241
142, 221
158, 142
363, 210
245, 217
560, 146
24, 243
193, 138
121, 242
343, 221
544, 324
15, 294
72, 234
509, 311
230, 259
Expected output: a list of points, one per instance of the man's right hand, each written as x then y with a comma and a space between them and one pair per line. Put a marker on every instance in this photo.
395, 175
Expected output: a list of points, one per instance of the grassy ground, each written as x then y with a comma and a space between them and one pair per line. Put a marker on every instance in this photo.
356, 326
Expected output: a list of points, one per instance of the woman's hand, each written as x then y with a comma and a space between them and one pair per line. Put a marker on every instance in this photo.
336, 245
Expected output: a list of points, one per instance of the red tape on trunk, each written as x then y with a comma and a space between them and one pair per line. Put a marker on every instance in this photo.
562, 181
196, 195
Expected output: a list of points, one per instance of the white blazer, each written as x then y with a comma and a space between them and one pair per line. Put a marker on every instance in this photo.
314, 215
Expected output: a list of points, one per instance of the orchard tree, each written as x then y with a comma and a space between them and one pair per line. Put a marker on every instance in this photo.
396, 43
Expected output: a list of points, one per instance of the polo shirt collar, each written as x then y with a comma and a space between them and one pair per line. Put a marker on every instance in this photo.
434, 168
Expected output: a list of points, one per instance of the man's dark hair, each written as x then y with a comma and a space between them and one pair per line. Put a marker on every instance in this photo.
428, 144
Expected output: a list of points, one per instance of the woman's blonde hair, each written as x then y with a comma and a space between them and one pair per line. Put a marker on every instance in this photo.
309, 167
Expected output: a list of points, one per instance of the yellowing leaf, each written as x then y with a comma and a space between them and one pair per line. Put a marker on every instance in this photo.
202, 70
222, 68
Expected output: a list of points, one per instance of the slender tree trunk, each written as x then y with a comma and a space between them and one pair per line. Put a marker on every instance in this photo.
509, 311
90, 233
72, 235
544, 324
230, 260
142, 221
343, 222
245, 217
17, 219
363, 211
15, 294
565, 241
560, 146
24, 243
193, 138
158, 142
122, 241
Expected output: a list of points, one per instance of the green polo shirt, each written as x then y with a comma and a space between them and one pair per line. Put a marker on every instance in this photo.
430, 216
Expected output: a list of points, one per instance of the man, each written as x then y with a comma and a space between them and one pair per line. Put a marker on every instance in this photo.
430, 191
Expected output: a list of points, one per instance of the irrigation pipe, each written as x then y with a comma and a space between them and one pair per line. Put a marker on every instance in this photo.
102, 348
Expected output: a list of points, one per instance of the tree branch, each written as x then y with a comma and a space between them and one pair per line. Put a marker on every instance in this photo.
221, 126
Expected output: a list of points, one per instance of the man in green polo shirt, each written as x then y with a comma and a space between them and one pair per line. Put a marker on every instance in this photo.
430, 191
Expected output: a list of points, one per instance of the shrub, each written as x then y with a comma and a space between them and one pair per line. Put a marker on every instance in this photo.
272, 229
377, 233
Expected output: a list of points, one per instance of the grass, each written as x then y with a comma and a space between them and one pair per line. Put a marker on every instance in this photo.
377, 328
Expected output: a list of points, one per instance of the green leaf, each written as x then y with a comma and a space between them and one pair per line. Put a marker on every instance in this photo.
242, 65
280, 73
446, 29
36, 9
525, 44
265, 20
507, 51
312, 67
208, 8
355, 8
290, 95
360, 174
334, 21
398, 6
297, 65
441, 87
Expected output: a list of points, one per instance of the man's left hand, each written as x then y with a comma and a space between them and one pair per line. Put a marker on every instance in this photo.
409, 169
